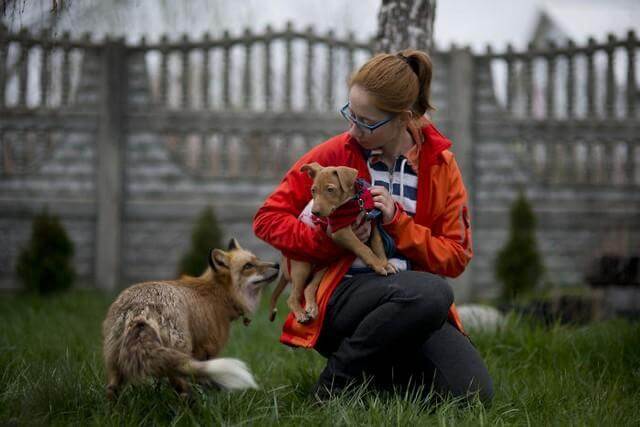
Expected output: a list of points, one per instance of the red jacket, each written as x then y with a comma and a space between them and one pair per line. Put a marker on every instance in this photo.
437, 239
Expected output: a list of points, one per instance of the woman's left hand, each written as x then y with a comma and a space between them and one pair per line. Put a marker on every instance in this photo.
383, 201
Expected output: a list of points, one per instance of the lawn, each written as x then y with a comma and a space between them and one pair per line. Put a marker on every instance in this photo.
51, 372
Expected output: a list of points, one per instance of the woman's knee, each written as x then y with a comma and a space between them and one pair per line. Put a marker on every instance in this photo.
430, 294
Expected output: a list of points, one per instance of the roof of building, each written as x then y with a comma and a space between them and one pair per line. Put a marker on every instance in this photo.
581, 19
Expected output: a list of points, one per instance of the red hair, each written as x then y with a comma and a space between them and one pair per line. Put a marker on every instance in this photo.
397, 82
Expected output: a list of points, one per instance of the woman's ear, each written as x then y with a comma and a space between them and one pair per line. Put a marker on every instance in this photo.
404, 118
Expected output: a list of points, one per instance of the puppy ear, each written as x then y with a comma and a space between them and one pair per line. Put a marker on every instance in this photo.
311, 168
234, 245
218, 259
347, 177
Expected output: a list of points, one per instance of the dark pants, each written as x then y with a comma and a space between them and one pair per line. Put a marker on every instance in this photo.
394, 330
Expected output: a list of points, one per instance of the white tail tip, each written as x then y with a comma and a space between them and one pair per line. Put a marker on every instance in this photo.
231, 374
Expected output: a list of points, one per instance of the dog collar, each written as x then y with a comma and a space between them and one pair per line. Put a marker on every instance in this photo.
363, 195
347, 213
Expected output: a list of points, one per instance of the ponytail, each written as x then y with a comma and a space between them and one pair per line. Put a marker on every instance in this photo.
398, 82
422, 67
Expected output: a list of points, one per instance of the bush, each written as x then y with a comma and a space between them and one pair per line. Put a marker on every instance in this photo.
518, 265
45, 264
205, 236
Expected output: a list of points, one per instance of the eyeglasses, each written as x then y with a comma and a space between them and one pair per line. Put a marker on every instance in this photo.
348, 116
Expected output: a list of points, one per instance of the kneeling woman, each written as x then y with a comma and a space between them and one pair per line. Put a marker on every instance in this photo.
400, 329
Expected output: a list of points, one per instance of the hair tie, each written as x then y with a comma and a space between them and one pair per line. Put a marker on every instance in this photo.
404, 58
412, 64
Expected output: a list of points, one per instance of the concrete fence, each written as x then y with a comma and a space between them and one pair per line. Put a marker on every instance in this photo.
127, 143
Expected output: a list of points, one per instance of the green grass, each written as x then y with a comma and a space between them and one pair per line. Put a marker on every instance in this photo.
51, 372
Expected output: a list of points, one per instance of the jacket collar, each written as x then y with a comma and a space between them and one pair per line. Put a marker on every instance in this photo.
427, 150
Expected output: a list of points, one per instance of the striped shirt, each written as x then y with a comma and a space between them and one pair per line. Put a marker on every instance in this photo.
400, 180
402, 183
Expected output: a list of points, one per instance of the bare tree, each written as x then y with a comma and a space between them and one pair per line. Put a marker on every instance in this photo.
18, 14
405, 24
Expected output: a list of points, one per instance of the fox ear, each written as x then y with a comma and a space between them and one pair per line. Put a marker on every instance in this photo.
218, 259
347, 177
311, 168
234, 245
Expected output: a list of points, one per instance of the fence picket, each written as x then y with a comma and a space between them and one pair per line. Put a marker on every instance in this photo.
591, 76
632, 89
246, 84
570, 81
268, 84
22, 67
164, 71
3, 62
309, 104
610, 98
206, 72
330, 71
287, 73
184, 74
66, 69
226, 65
551, 81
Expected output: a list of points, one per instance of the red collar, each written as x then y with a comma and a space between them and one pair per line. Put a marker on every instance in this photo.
347, 213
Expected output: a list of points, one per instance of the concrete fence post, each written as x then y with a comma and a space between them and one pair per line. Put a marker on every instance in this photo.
461, 98
110, 166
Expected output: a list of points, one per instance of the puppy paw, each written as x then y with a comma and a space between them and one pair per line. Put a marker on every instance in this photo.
301, 317
391, 268
312, 311
380, 269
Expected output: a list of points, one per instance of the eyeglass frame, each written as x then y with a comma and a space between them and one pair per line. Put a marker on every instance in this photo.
348, 116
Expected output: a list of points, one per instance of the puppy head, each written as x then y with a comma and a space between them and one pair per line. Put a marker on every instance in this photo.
248, 273
332, 186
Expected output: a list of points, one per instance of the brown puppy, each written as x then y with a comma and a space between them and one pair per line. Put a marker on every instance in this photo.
172, 328
332, 188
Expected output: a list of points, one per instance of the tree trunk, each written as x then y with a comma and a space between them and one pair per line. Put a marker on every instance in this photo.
405, 24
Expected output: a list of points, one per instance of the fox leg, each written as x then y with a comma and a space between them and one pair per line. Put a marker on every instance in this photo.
180, 385
299, 274
114, 381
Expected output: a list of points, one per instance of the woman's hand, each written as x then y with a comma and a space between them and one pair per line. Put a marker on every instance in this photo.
362, 229
383, 201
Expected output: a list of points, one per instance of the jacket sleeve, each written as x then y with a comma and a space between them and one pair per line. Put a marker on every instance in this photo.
276, 221
446, 247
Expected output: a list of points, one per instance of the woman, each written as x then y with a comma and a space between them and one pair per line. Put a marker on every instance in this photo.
400, 329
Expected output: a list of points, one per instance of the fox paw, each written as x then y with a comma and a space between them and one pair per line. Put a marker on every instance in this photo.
112, 392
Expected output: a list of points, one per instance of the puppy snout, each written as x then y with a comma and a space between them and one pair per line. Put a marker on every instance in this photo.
276, 266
